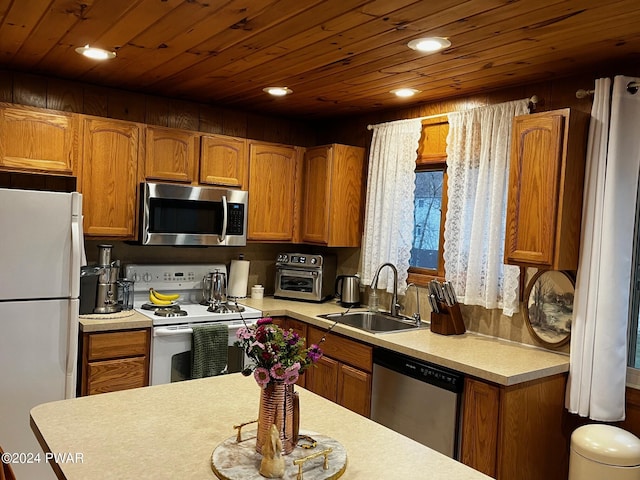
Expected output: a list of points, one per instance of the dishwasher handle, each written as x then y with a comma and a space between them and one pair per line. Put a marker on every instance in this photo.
419, 369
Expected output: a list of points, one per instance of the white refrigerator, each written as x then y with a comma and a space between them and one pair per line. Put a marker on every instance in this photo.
41, 252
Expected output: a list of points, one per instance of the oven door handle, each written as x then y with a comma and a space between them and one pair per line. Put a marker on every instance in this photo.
168, 331
299, 273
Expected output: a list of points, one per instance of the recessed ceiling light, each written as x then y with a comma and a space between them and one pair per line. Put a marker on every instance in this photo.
429, 44
95, 53
404, 92
277, 91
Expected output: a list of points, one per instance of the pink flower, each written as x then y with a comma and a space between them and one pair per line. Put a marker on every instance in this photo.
261, 375
291, 376
243, 333
256, 344
264, 321
278, 371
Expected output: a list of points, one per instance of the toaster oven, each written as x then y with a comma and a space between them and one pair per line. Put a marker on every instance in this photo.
309, 278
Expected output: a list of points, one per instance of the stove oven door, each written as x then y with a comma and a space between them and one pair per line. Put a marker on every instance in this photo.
171, 354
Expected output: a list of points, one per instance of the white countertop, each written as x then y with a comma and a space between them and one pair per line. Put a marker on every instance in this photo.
488, 358
495, 360
170, 431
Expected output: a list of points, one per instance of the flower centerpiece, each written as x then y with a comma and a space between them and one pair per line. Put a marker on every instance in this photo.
276, 354
277, 358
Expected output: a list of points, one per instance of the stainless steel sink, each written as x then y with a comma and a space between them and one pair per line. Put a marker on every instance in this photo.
374, 322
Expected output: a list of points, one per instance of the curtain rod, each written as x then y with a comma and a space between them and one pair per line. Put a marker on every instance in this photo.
533, 100
582, 93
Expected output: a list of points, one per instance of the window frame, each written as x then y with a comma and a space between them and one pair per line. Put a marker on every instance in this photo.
430, 160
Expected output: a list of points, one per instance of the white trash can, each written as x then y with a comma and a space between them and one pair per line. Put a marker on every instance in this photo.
604, 452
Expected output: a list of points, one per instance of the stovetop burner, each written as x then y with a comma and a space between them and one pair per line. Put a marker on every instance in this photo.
224, 308
171, 312
154, 308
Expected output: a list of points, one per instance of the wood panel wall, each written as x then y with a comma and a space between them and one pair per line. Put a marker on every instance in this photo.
47, 92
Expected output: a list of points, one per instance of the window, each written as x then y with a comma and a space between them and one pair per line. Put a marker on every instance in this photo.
427, 217
429, 204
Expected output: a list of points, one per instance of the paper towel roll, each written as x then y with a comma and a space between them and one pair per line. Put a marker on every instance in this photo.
238, 279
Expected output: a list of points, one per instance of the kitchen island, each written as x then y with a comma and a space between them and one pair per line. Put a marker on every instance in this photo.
170, 431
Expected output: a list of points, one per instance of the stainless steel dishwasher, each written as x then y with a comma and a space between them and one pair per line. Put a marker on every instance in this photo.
417, 399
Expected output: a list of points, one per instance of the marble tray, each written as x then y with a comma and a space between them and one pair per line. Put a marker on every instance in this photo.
239, 461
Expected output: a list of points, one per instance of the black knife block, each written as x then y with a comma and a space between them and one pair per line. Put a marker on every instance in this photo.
448, 321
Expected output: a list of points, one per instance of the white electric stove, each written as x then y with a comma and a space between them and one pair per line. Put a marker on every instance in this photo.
172, 324
187, 281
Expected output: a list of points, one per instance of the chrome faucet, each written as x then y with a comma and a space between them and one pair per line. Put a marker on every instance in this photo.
416, 316
393, 309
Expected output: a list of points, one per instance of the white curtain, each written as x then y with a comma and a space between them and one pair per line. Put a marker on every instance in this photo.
478, 146
597, 374
388, 228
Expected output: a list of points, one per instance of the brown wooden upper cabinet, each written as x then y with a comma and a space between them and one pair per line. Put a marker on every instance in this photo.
333, 195
109, 178
274, 173
224, 161
171, 154
545, 189
38, 140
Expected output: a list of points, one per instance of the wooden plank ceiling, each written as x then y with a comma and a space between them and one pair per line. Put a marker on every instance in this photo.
338, 56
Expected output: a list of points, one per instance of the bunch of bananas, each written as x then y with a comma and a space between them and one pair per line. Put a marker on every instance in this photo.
158, 298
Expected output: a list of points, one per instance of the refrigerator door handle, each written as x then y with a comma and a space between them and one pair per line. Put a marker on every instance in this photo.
77, 245
72, 349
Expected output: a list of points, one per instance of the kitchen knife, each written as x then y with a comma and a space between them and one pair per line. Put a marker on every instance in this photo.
434, 303
437, 290
450, 293
433, 291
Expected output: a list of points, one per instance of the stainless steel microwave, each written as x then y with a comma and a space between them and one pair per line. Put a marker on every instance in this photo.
192, 215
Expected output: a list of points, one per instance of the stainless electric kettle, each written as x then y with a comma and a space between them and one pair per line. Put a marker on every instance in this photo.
348, 290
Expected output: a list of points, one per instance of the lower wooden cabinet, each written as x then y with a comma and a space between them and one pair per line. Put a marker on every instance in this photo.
343, 374
480, 426
516, 431
323, 378
114, 360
